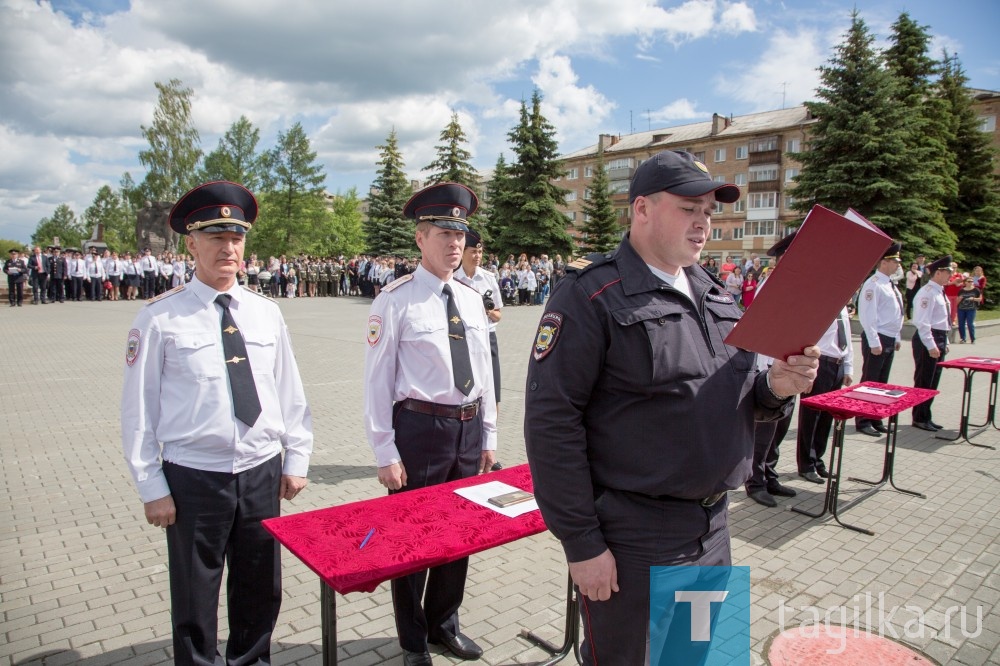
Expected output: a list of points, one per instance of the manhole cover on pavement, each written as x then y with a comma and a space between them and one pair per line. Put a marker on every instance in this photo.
816, 647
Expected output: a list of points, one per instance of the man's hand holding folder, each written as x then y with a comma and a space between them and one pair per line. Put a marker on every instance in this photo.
791, 314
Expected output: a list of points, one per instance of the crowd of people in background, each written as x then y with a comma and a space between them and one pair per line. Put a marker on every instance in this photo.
54, 275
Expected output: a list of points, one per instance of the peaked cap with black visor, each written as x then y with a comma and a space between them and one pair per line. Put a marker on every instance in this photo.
445, 205
214, 207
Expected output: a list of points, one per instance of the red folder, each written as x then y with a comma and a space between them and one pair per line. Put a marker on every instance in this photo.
826, 262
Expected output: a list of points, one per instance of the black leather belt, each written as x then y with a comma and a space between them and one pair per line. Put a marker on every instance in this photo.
465, 412
830, 359
706, 502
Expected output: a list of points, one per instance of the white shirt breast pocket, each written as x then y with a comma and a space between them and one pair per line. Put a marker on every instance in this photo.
197, 356
427, 337
261, 348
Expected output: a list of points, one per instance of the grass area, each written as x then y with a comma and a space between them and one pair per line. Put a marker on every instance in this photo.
984, 315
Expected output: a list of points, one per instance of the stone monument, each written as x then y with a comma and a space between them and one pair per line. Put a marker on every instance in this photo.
152, 229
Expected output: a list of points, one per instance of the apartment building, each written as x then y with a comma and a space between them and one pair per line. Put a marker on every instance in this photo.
751, 151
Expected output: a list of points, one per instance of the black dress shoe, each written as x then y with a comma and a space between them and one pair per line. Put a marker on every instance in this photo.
762, 497
822, 473
881, 428
812, 477
416, 658
776, 488
923, 425
934, 425
869, 430
461, 646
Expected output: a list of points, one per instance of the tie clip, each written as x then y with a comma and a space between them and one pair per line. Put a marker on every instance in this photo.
236, 359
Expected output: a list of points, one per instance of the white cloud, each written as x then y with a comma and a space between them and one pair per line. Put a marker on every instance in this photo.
785, 73
681, 109
577, 112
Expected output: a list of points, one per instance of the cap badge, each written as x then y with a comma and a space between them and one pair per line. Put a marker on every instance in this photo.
701, 166
225, 212
456, 212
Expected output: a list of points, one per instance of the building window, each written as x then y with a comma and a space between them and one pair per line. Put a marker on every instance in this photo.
718, 207
571, 195
760, 173
586, 217
793, 146
790, 175
716, 234
764, 144
738, 233
763, 200
988, 123
741, 179
570, 215
620, 163
586, 193
588, 172
759, 227
573, 174
618, 186
720, 154
741, 152
719, 179
740, 206
789, 202
700, 156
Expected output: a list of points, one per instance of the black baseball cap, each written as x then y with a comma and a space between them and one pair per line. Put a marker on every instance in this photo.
679, 173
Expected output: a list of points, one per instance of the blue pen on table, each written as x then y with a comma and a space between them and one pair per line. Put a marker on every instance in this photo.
369, 536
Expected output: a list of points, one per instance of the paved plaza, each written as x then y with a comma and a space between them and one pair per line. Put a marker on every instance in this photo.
83, 578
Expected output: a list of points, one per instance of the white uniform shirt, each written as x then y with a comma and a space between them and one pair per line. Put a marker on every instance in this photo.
148, 263
482, 281
95, 268
114, 266
409, 356
880, 309
930, 311
829, 346
176, 393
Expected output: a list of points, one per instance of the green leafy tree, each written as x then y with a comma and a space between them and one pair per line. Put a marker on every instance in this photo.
293, 212
858, 149
603, 233
387, 231
535, 225
974, 212
132, 200
927, 168
6, 245
108, 210
237, 159
172, 158
62, 225
344, 232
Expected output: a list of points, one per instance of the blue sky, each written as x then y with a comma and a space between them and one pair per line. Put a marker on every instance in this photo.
77, 76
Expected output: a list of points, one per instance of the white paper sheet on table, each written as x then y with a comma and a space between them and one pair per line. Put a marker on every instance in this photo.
482, 493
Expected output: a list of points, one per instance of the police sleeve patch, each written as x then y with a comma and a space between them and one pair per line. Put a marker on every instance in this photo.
869, 295
374, 330
548, 334
132, 346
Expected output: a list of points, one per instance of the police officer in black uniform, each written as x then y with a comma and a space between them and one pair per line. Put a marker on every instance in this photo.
638, 417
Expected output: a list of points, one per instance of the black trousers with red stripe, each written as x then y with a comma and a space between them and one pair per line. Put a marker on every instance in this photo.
644, 532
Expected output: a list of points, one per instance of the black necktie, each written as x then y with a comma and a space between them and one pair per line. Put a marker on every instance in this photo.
461, 366
841, 334
246, 404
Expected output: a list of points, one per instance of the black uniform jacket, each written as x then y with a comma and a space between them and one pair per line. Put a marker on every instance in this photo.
631, 387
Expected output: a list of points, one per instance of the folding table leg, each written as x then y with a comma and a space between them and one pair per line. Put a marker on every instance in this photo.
571, 634
328, 622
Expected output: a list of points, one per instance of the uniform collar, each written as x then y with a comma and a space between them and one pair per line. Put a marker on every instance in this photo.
207, 294
429, 280
637, 278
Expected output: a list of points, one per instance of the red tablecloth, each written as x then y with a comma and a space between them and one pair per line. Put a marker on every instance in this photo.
414, 530
970, 363
843, 407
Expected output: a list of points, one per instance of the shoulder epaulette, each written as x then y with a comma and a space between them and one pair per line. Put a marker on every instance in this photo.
715, 278
590, 261
170, 292
398, 281
257, 293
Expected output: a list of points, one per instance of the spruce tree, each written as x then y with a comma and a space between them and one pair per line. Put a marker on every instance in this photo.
535, 225
498, 208
603, 233
927, 168
974, 213
452, 162
62, 225
387, 231
857, 151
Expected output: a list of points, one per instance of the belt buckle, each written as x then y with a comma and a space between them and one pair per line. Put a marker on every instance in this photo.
468, 411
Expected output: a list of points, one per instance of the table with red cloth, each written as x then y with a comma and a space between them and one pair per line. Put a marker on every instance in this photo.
413, 531
970, 365
843, 408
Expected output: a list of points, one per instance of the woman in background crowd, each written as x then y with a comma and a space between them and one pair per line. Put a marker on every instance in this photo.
969, 300
734, 284
912, 286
